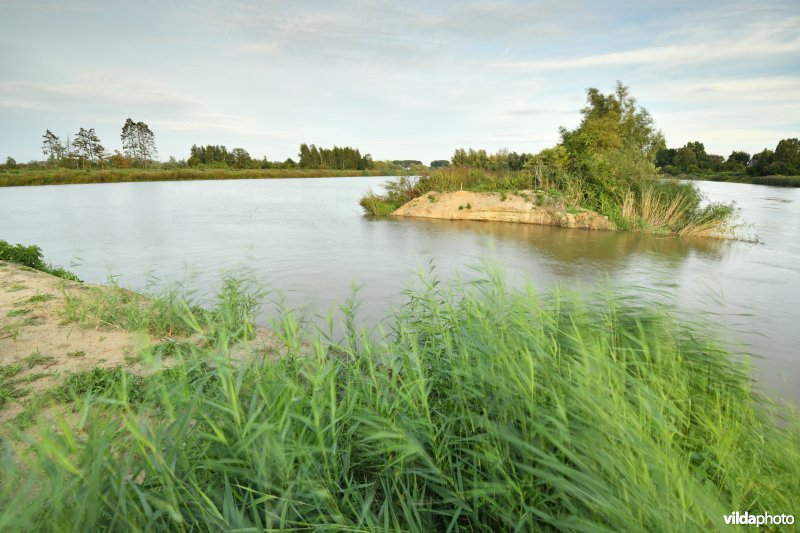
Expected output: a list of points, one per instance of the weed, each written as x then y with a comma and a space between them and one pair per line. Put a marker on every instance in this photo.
76, 353
483, 408
37, 358
41, 298
17, 312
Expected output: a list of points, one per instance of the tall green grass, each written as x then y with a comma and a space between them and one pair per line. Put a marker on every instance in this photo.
481, 409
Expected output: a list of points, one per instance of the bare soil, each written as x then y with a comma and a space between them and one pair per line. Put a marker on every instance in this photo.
502, 207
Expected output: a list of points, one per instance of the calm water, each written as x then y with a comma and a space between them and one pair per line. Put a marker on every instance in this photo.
307, 240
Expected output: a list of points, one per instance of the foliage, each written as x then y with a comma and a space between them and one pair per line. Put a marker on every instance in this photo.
138, 142
693, 159
31, 257
500, 161
484, 409
613, 147
117, 175
336, 158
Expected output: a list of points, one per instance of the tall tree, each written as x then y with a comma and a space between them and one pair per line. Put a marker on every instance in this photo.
615, 143
52, 148
138, 142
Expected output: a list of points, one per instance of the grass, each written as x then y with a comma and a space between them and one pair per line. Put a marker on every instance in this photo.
31, 257
481, 409
737, 177
649, 205
66, 176
10, 376
659, 208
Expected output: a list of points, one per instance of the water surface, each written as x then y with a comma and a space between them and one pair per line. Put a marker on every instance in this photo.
307, 239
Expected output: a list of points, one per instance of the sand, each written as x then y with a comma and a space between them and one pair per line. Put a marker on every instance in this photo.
508, 207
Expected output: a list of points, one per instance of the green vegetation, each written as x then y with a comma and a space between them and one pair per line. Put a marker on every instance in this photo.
780, 167
168, 314
606, 164
31, 257
482, 409
11, 378
65, 176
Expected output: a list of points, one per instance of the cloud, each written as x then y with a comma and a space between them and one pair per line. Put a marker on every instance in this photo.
778, 40
119, 97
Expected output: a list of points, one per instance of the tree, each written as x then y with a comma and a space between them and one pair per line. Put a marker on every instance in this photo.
11, 163
138, 142
52, 148
614, 145
240, 158
87, 147
440, 163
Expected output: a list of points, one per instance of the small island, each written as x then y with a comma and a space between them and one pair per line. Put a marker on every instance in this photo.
602, 175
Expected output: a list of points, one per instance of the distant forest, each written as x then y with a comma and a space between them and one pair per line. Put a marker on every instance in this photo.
693, 159
84, 150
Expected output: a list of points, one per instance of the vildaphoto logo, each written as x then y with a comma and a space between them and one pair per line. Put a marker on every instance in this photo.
763, 519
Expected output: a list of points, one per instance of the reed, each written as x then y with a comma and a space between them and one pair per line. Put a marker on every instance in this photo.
670, 207
65, 176
481, 408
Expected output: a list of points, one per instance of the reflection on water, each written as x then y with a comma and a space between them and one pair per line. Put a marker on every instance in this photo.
308, 240
608, 248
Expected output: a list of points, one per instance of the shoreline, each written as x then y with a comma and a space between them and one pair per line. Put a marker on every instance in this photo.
46, 337
501, 207
83, 177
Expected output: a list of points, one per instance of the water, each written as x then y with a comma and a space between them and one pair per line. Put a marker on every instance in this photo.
307, 240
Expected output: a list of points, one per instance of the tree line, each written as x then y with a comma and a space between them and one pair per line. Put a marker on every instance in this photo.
693, 159
85, 150
342, 158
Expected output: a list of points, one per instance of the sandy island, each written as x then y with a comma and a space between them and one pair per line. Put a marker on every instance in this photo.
502, 207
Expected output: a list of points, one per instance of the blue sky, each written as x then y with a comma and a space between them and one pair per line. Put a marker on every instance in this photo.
400, 80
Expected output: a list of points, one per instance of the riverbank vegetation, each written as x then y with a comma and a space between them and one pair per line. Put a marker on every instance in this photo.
780, 167
82, 158
31, 257
66, 176
606, 164
481, 408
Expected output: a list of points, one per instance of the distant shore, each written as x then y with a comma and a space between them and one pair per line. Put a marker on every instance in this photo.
730, 177
22, 178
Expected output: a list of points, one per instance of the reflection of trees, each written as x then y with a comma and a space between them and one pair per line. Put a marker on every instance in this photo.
569, 245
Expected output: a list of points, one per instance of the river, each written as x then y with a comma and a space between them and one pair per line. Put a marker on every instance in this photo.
307, 241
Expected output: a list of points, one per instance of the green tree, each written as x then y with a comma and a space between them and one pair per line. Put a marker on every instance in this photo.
615, 144
240, 158
52, 148
11, 163
138, 142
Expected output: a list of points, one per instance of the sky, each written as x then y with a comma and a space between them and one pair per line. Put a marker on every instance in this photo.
397, 79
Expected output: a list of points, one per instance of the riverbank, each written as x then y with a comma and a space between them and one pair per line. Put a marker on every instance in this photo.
58, 331
19, 178
735, 177
527, 207
486, 407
